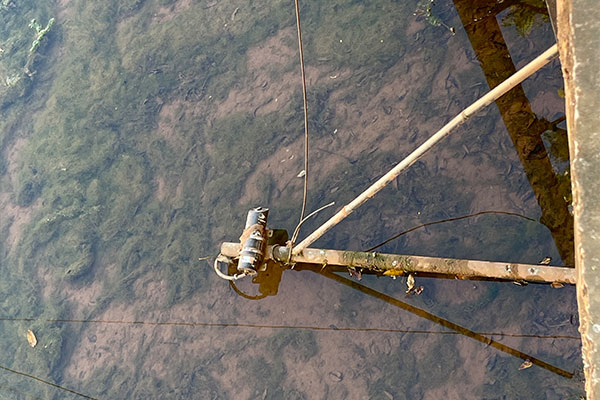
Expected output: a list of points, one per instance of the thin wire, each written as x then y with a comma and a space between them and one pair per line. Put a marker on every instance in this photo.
396, 236
409, 160
267, 326
47, 382
302, 69
295, 235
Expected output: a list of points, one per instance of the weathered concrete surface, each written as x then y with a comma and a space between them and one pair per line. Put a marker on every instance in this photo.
579, 45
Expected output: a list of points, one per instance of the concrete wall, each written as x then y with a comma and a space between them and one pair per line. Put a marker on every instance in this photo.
579, 45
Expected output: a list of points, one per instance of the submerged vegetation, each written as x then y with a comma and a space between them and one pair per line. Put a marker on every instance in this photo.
525, 14
40, 33
130, 167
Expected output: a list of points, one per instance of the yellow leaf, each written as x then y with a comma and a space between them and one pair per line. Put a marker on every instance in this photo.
31, 338
393, 272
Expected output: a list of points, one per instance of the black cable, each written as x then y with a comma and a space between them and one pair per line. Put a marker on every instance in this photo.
396, 236
302, 69
47, 383
268, 326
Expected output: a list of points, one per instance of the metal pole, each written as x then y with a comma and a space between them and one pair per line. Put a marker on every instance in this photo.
486, 100
397, 265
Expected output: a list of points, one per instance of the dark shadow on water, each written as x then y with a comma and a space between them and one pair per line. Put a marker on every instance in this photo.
524, 127
443, 322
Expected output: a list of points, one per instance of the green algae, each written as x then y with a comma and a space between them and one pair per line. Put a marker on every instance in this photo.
108, 188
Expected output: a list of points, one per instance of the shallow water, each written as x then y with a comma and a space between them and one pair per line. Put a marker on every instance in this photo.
148, 130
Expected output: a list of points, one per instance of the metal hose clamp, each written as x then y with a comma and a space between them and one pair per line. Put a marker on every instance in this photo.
224, 259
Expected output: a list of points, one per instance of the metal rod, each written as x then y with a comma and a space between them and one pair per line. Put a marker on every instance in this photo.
484, 101
396, 265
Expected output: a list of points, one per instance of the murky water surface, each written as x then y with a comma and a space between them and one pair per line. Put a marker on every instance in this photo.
136, 135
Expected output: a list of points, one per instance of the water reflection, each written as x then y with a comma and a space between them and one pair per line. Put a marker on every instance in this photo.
482, 337
445, 323
524, 127
271, 278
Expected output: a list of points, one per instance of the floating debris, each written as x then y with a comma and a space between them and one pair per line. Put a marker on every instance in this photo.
336, 376
410, 283
234, 13
388, 395
31, 338
526, 364
419, 290
556, 285
393, 273
545, 261
355, 273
